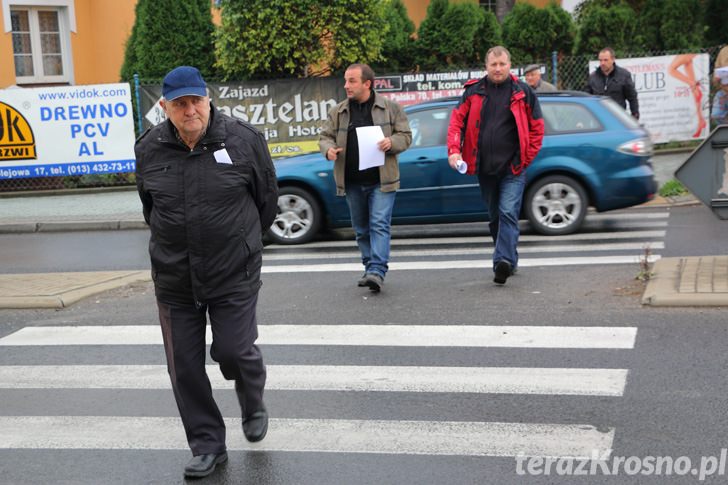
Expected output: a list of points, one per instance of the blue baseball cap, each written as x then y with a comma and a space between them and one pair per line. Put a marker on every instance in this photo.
183, 81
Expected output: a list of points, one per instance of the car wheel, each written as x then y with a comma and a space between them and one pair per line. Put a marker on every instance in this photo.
298, 219
556, 205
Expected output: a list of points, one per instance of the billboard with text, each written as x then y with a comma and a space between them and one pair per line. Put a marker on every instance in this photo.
69, 130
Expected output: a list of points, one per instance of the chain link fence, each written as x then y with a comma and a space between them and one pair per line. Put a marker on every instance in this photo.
568, 73
58, 183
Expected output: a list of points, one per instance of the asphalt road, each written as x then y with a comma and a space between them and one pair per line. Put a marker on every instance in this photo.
127, 249
672, 403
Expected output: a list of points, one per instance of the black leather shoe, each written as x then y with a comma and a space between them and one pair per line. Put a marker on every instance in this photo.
203, 465
374, 282
255, 426
502, 272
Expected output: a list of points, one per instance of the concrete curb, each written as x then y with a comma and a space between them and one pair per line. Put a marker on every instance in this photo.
20, 226
678, 201
694, 281
52, 192
59, 290
63, 226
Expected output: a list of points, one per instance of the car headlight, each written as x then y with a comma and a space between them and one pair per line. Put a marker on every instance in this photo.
641, 147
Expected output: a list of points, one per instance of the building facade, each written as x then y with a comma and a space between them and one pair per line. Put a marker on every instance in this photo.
47, 42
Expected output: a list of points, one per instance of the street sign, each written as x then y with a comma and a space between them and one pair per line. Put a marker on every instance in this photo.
705, 172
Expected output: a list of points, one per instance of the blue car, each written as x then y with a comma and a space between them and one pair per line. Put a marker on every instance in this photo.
593, 154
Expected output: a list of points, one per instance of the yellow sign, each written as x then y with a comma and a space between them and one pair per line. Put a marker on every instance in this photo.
16, 136
289, 148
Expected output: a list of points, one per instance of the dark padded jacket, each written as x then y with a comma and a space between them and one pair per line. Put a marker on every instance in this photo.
206, 218
618, 85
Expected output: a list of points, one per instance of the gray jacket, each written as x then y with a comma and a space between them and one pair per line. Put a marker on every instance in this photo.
544, 87
385, 113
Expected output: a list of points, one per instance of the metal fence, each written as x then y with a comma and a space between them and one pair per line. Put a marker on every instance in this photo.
565, 72
571, 72
59, 183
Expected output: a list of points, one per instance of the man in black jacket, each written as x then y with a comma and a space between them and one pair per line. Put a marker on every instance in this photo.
208, 191
613, 81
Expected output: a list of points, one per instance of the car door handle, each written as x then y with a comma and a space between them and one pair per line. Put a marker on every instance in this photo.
424, 161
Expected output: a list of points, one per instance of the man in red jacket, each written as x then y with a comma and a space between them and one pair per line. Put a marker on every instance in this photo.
497, 129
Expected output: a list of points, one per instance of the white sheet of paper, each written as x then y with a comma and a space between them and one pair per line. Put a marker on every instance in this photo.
369, 153
222, 156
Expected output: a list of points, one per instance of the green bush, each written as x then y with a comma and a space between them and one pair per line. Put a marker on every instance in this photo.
167, 34
462, 22
672, 188
488, 35
670, 25
280, 38
716, 20
599, 27
398, 49
432, 38
532, 34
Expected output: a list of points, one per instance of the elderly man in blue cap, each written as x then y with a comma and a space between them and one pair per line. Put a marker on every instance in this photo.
208, 189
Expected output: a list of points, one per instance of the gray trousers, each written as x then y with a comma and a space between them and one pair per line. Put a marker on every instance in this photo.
234, 330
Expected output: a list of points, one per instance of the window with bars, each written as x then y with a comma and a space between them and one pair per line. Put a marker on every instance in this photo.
38, 36
488, 5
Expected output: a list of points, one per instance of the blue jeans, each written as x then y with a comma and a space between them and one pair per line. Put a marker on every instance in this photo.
371, 218
503, 196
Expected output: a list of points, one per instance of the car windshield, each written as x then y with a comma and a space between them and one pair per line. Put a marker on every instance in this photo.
565, 117
620, 113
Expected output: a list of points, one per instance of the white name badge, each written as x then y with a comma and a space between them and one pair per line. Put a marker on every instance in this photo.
222, 156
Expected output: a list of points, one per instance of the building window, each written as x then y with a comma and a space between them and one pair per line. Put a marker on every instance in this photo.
39, 40
488, 5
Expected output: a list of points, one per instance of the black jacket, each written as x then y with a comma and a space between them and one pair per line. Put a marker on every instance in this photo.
206, 218
618, 85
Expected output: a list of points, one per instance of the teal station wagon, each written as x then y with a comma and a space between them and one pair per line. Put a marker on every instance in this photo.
593, 154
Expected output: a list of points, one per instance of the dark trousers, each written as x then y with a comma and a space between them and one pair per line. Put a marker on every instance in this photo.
503, 195
234, 330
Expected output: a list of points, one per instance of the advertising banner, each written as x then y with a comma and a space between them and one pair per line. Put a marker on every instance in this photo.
69, 130
291, 112
288, 112
409, 89
673, 94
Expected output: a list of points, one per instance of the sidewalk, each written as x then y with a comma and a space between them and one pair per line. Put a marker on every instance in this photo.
59, 290
693, 281
77, 210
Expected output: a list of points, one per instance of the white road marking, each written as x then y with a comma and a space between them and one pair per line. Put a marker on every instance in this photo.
424, 252
313, 435
560, 337
458, 264
633, 215
490, 380
601, 236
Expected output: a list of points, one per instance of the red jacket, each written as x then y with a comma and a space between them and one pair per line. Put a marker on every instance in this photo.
462, 134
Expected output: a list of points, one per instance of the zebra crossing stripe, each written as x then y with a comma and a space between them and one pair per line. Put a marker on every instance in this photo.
313, 435
509, 336
494, 380
460, 264
426, 241
632, 215
638, 246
